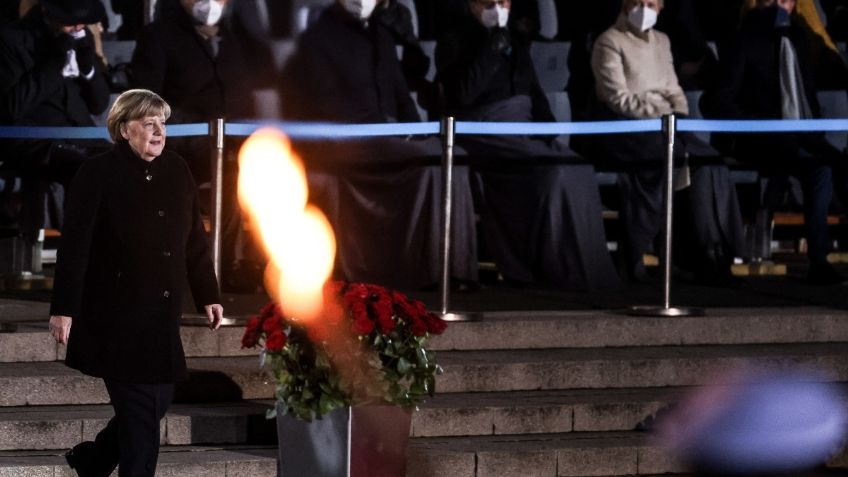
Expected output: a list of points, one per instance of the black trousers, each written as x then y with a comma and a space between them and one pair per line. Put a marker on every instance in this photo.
130, 441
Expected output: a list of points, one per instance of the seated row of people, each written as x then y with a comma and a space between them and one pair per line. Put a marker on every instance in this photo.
538, 202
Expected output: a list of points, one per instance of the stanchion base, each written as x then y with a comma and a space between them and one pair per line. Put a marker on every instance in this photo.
662, 311
202, 320
460, 316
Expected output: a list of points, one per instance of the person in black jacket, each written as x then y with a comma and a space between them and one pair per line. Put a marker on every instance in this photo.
132, 236
49, 77
766, 62
543, 223
195, 60
381, 195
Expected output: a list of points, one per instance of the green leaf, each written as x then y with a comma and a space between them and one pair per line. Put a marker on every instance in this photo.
271, 413
403, 366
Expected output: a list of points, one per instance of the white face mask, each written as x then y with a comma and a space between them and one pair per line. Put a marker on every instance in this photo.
361, 9
642, 18
496, 16
207, 12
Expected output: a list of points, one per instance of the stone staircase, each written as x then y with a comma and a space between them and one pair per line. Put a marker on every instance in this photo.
523, 394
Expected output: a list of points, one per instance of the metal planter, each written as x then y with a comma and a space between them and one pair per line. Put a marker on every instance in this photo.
360, 441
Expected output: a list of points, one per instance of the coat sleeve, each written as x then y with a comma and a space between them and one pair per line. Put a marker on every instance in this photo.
25, 82
676, 96
721, 100
464, 83
199, 267
611, 84
82, 210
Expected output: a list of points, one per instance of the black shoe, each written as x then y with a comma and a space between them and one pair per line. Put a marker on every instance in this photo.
824, 274
78, 458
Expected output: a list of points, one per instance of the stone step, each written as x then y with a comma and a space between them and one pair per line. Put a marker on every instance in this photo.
546, 455
62, 427
527, 412
538, 412
183, 461
239, 378
599, 368
528, 330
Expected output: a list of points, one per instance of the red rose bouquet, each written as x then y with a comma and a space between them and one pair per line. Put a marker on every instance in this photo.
369, 348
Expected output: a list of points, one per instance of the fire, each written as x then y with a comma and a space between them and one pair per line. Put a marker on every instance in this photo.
296, 236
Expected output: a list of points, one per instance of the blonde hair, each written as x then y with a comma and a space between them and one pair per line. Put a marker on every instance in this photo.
134, 104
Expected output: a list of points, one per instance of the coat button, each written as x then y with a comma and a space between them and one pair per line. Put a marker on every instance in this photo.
161, 213
166, 294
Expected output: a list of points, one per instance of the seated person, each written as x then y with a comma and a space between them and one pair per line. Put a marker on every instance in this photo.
192, 58
49, 76
542, 222
635, 79
382, 196
766, 73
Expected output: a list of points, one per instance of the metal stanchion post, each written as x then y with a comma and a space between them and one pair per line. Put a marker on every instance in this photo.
448, 133
217, 131
669, 128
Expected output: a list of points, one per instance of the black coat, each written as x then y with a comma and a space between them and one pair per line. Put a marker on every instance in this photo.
345, 72
32, 89
128, 244
475, 74
748, 87
173, 60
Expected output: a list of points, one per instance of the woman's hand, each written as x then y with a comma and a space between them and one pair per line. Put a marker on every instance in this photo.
215, 313
60, 328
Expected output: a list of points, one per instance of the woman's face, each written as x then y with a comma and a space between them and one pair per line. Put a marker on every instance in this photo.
146, 136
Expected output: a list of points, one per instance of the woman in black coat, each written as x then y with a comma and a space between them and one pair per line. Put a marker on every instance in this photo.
132, 235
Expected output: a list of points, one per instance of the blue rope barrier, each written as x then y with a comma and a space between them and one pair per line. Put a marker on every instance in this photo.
48, 132
336, 131
315, 131
762, 125
548, 129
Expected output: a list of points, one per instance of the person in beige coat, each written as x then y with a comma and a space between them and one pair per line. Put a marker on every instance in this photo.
634, 78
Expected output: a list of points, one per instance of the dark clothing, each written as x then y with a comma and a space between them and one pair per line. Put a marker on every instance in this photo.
381, 195
479, 67
542, 222
748, 87
199, 80
33, 92
345, 72
130, 441
415, 64
133, 233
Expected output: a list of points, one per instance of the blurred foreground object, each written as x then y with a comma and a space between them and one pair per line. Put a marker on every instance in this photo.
772, 424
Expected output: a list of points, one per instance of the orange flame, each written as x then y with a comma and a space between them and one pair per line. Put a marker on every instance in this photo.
297, 237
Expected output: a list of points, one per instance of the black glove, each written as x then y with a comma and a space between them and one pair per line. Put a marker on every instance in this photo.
86, 58
500, 41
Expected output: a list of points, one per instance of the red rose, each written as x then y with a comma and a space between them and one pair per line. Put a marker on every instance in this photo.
383, 310
251, 332
275, 323
253, 324
362, 326
359, 311
268, 310
418, 326
249, 340
435, 325
275, 341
